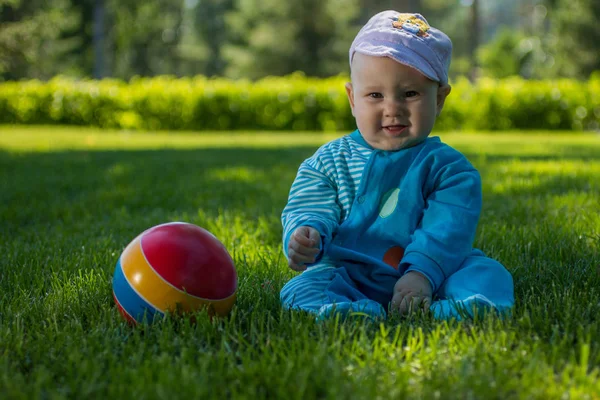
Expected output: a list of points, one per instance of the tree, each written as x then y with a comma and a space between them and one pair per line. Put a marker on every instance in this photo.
34, 38
371, 7
574, 25
98, 38
145, 37
43, 38
272, 37
505, 55
211, 29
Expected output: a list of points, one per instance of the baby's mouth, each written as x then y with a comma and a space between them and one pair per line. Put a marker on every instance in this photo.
394, 129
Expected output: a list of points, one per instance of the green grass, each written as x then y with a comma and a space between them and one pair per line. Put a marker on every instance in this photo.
72, 198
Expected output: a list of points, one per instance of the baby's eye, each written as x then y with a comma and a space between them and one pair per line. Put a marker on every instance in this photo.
376, 95
411, 93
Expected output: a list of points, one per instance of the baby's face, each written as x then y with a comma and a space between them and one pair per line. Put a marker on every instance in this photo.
395, 106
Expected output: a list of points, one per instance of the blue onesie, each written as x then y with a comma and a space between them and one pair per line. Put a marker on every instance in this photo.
381, 214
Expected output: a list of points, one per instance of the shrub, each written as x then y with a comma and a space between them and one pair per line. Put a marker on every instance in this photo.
294, 102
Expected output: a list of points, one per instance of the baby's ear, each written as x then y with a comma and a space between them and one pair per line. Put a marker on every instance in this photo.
350, 93
443, 92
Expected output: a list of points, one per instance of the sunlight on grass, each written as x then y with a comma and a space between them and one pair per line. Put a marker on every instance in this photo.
514, 175
118, 170
526, 144
52, 138
72, 198
46, 139
238, 174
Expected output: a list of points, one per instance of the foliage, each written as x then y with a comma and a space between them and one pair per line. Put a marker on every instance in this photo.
296, 102
35, 38
145, 37
40, 39
575, 28
252, 39
289, 103
210, 24
505, 56
516, 103
72, 198
273, 37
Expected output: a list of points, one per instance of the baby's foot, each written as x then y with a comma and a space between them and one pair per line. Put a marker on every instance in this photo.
365, 308
474, 305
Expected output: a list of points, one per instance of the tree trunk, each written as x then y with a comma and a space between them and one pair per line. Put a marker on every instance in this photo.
474, 38
99, 39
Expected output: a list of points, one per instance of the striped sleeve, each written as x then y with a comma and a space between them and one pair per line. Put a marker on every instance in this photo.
311, 202
324, 189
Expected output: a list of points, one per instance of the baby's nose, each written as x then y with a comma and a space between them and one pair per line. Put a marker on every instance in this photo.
394, 107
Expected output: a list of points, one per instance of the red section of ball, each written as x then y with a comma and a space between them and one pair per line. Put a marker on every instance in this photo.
122, 311
191, 259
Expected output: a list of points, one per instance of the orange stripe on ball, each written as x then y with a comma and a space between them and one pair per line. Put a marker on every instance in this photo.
156, 291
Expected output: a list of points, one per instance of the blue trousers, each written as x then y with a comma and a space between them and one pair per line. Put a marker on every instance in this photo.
481, 284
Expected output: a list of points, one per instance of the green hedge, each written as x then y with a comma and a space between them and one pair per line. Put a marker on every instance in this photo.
285, 103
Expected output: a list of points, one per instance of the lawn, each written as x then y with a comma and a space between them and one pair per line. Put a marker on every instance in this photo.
72, 198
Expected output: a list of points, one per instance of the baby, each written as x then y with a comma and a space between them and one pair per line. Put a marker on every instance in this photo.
383, 219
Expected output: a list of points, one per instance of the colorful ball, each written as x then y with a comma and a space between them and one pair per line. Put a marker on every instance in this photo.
174, 267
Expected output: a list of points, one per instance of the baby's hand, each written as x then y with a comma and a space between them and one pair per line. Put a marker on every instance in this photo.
412, 290
303, 247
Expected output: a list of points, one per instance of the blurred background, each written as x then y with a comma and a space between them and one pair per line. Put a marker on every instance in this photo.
40, 39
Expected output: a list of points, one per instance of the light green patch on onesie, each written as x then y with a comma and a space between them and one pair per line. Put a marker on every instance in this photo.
389, 203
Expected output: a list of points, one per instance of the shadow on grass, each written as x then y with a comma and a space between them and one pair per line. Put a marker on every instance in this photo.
121, 193
46, 188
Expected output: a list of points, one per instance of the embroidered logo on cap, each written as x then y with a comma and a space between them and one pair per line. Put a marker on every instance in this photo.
412, 24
